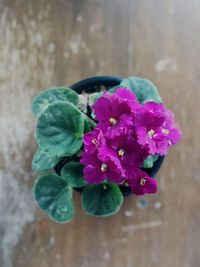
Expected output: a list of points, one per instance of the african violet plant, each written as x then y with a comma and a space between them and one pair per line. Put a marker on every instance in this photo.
99, 151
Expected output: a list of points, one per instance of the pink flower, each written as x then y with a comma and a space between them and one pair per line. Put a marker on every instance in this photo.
156, 128
141, 183
126, 134
96, 170
127, 149
114, 113
93, 140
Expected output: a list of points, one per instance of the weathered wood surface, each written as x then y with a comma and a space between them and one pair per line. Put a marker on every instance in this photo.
57, 42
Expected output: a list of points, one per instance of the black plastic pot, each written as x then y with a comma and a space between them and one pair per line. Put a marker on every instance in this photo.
96, 84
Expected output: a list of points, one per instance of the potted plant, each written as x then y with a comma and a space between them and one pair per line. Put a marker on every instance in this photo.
105, 137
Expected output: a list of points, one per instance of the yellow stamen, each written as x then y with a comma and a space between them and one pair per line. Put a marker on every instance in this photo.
94, 141
121, 152
112, 121
165, 131
126, 184
103, 167
142, 181
151, 133
104, 187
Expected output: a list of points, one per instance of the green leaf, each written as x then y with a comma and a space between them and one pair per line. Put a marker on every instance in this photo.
59, 130
102, 199
149, 161
43, 100
72, 172
144, 89
87, 125
43, 162
54, 197
113, 89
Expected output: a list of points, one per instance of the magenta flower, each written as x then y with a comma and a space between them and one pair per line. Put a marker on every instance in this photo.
128, 151
93, 140
96, 170
170, 129
127, 95
114, 113
126, 134
156, 128
141, 183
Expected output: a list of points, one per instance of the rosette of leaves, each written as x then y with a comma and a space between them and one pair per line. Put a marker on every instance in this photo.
59, 136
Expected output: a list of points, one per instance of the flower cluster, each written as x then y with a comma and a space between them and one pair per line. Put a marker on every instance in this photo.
126, 133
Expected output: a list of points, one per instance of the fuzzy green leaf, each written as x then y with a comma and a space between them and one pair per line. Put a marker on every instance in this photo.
72, 172
144, 89
113, 89
149, 161
54, 197
42, 161
59, 130
102, 199
43, 100
87, 125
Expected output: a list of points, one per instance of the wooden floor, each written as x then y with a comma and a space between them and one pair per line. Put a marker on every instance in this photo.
58, 42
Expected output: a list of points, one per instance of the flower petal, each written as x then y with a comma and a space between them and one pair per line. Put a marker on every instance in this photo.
103, 108
93, 174
92, 140
141, 183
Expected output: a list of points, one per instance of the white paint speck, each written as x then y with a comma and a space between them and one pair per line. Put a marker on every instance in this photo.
75, 43
58, 256
115, 242
66, 54
51, 47
51, 242
142, 225
14, 24
165, 64
174, 66
106, 255
157, 205
128, 213
37, 39
79, 18
92, 28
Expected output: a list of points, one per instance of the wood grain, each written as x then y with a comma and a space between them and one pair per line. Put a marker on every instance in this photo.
58, 42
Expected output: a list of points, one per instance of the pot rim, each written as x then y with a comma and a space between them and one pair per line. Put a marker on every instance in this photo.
92, 82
